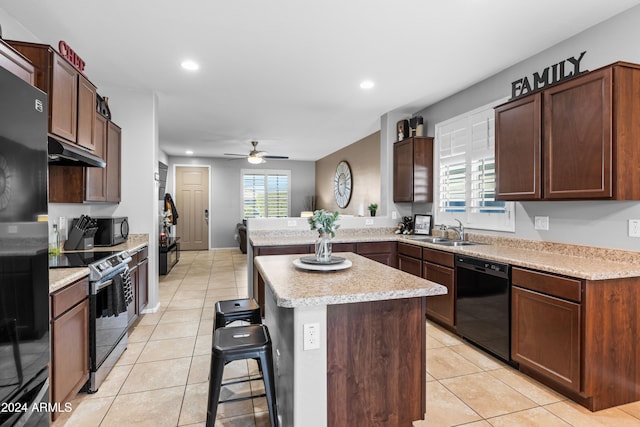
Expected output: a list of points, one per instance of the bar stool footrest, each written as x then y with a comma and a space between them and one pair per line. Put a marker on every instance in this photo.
238, 399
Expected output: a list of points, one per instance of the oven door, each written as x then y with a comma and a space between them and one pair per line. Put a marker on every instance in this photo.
108, 320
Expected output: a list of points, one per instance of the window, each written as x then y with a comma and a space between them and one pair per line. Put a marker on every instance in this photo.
265, 193
465, 173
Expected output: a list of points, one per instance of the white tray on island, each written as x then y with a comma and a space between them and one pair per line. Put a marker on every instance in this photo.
322, 267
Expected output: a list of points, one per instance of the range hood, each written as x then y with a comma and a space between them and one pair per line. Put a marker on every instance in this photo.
66, 154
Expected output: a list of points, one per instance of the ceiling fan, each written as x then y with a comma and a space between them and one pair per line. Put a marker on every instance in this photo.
256, 157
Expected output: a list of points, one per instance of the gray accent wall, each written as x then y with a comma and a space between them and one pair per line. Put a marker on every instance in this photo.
225, 191
598, 223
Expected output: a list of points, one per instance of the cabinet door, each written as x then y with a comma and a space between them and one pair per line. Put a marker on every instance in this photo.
403, 171
96, 183
441, 307
70, 352
410, 265
113, 162
63, 99
413, 170
13, 62
545, 336
518, 149
578, 137
143, 285
86, 113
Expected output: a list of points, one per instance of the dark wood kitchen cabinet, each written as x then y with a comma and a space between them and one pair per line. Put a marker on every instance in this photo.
69, 369
74, 184
72, 97
413, 170
139, 272
410, 258
578, 336
438, 266
382, 252
574, 140
13, 61
113, 168
545, 327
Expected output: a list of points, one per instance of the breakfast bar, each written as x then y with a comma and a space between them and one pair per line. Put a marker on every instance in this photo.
349, 344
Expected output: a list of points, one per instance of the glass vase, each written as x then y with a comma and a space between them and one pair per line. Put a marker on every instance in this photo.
323, 248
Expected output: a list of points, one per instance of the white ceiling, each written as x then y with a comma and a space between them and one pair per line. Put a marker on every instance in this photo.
287, 72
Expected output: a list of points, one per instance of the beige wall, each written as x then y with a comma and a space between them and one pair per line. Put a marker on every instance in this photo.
364, 159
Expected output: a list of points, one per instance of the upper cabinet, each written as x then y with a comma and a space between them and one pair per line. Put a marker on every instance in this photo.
14, 62
72, 98
413, 170
575, 140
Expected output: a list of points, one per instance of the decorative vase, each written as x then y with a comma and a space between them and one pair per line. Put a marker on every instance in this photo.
323, 248
373, 213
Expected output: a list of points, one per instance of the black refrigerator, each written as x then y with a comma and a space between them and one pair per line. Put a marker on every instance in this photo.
24, 272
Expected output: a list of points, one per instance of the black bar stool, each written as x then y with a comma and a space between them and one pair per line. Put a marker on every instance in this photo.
239, 343
228, 311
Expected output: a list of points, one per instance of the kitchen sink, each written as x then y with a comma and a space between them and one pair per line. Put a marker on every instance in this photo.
430, 239
456, 243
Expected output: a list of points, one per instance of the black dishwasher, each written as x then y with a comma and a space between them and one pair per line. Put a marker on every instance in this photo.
483, 314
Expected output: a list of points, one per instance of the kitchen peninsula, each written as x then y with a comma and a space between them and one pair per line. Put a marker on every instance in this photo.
368, 364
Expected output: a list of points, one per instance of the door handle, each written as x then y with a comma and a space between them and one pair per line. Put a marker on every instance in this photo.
206, 215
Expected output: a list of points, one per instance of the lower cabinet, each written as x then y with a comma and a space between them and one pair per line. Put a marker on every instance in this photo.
383, 252
545, 325
139, 272
438, 267
410, 259
69, 341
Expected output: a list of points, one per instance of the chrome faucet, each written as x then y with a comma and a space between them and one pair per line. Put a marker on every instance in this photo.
459, 229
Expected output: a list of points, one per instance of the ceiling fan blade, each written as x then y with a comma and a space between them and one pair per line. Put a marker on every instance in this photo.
276, 157
232, 154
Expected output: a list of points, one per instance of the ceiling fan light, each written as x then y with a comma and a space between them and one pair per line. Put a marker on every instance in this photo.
255, 160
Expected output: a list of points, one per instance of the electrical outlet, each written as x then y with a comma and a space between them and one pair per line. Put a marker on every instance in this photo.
311, 332
541, 222
291, 223
368, 221
62, 225
394, 215
634, 228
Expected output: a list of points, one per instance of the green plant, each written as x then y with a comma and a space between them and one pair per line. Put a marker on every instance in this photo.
373, 207
324, 222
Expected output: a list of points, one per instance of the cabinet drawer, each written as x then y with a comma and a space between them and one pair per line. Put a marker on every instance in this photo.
282, 250
438, 257
343, 247
143, 253
561, 287
66, 298
375, 247
410, 250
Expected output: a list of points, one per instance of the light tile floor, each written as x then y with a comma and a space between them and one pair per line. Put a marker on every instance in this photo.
162, 378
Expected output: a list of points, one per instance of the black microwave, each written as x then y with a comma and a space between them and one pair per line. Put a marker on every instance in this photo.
111, 231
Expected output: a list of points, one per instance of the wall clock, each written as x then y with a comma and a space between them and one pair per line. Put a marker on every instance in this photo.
342, 184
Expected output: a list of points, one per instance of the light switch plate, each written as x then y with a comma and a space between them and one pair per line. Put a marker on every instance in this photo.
541, 222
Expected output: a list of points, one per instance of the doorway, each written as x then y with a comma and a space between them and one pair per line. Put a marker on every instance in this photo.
192, 202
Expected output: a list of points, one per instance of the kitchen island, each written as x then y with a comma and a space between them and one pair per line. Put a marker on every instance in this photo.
363, 360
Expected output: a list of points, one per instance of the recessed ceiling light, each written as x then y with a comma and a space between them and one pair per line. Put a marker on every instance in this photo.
190, 65
367, 84
189, 152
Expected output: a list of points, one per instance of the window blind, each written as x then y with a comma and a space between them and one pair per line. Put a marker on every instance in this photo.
265, 193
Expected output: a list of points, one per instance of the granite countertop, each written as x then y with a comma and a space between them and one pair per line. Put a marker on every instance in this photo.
61, 277
279, 238
583, 262
365, 280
